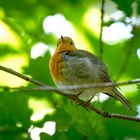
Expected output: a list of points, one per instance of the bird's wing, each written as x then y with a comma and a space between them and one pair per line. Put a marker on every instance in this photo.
84, 64
94, 67
96, 62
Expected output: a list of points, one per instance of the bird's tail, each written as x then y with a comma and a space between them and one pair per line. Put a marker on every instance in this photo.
117, 95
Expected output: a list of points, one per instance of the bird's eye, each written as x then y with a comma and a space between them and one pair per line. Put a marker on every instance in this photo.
71, 42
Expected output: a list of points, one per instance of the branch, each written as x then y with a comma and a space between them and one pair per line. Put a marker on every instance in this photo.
101, 31
85, 104
21, 76
106, 114
74, 87
74, 97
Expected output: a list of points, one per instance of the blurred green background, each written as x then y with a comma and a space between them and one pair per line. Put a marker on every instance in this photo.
29, 30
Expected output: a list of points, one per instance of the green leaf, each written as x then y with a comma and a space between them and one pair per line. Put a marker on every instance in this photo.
138, 6
138, 86
5, 50
124, 6
39, 69
121, 129
15, 115
88, 123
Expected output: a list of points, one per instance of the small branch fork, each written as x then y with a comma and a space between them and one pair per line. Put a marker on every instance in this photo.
44, 87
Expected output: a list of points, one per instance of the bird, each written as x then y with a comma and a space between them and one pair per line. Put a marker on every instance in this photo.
71, 66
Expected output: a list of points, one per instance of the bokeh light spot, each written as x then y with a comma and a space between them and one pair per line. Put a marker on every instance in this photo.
38, 49
138, 53
58, 25
49, 128
117, 32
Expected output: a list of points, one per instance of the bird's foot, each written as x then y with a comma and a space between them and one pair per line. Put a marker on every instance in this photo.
79, 94
89, 101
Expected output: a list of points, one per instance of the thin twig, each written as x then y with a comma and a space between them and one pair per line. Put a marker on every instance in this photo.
101, 27
73, 87
106, 114
26, 78
74, 98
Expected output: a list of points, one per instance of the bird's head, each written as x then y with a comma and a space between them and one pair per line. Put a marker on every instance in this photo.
65, 44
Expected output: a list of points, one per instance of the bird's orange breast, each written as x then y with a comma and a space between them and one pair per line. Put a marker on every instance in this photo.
56, 65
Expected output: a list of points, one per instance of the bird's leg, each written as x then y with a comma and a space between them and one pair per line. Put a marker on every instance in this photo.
76, 96
88, 102
98, 98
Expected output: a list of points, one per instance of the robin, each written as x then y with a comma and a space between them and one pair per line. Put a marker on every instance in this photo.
70, 66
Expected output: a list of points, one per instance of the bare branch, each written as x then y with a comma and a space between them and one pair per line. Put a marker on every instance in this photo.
97, 85
106, 114
101, 31
73, 97
74, 87
21, 76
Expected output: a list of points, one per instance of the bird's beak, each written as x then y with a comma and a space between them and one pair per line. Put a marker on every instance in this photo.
62, 37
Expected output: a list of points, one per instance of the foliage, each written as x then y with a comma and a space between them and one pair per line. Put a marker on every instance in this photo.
24, 20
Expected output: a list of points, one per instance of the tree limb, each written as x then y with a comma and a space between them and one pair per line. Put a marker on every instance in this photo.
74, 97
